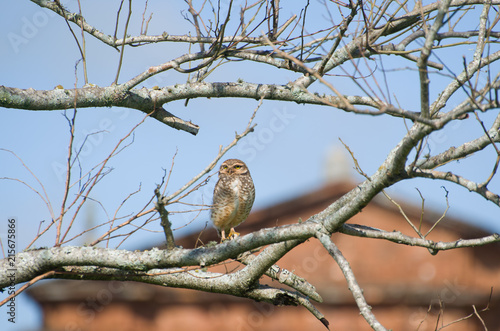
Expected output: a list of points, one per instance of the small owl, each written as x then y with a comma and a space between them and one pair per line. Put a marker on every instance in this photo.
234, 194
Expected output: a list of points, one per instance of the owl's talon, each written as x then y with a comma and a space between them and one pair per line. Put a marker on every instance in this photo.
233, 234
222, 236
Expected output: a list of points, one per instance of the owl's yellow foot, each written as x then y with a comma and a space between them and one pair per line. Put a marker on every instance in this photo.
233, 234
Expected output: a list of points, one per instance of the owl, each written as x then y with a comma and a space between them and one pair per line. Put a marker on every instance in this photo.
234, 194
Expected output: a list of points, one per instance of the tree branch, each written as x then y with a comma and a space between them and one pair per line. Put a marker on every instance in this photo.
59, 99
354, 287
141, 39
196, 279
281, 297
424, 56
146, 99
284, 276
468, 184
464, 150
399, 238
165, 223
35, 262
472, 68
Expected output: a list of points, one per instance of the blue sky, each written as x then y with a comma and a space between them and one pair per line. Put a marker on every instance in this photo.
286, 154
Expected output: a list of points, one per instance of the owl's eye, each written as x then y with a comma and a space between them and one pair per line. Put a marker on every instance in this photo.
237, 167
224, 167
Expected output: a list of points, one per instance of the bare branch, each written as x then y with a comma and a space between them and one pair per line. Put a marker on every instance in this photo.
91, 97
284, 276
194, 279
354, 287
464, 150
122, 51
281, 297
71, 123
472, 68
426, 52
399, 238
165, 223
468, 184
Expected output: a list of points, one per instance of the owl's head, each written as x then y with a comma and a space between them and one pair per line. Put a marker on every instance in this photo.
233, 167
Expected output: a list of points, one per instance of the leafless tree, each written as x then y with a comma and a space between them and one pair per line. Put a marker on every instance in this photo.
329, 61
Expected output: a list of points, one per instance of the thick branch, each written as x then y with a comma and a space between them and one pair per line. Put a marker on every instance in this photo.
59, 99
196, 279
286, 277
146, 99
35, 262
264, 264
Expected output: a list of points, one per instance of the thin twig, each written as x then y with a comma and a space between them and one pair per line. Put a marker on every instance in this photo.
68, 172
122, 51
48, 274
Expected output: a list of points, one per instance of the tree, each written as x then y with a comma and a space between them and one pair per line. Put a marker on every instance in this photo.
342, 62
